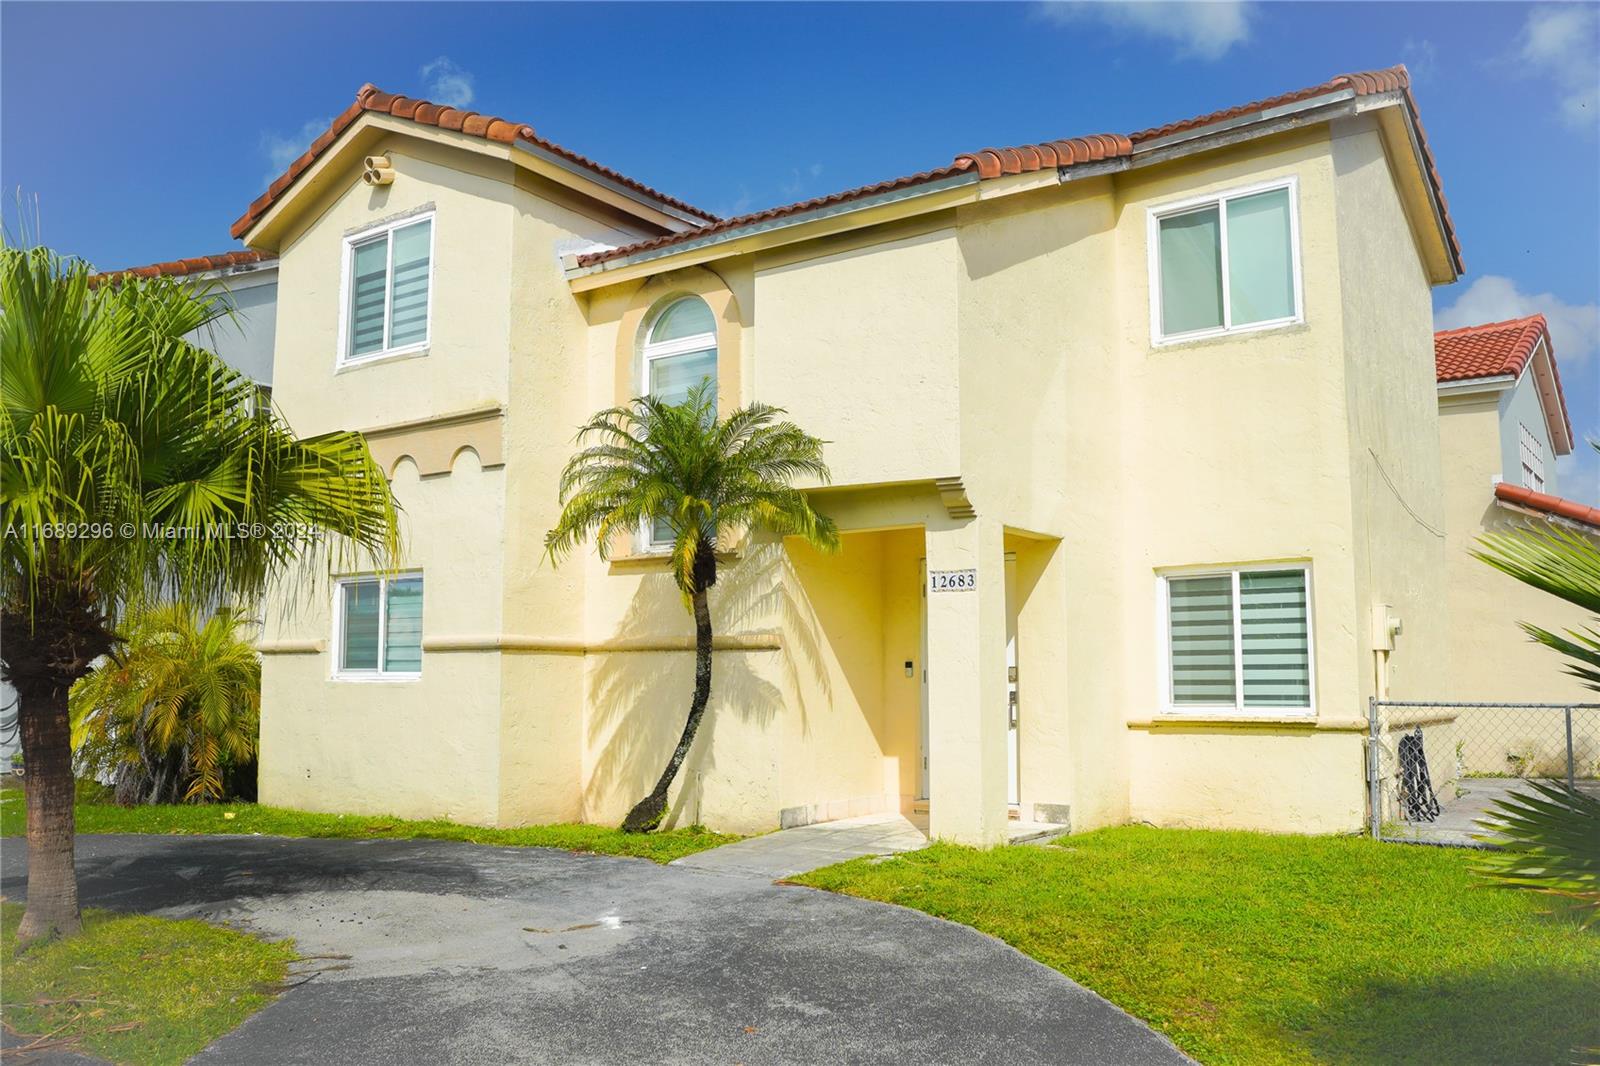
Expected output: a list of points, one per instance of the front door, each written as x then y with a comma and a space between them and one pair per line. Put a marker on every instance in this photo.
1013, 777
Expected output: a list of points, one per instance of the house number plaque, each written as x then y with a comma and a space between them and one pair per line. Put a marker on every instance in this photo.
952, 580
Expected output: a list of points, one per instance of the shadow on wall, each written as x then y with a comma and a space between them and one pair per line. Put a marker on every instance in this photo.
639, 700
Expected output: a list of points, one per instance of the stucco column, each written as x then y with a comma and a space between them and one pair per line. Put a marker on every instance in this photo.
967, 685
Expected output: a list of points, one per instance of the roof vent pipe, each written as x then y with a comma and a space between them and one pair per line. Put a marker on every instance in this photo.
376, 170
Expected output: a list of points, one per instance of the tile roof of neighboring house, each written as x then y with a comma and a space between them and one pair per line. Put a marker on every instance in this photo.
998, 162
1494, 349
1548, 504
371, 98
182, 267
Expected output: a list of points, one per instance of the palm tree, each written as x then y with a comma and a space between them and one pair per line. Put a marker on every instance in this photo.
138, 466
169, 715
1550, 838
650, 462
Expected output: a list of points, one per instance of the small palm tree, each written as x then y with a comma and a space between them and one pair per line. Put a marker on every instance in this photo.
137, 466
168, 715
651, 462
1550, 838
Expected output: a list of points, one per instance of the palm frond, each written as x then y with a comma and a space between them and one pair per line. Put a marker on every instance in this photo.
1549, 842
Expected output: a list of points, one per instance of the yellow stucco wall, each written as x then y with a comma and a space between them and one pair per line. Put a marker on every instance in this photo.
1006, 342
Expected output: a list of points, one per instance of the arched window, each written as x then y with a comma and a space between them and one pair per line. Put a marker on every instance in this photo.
680, 349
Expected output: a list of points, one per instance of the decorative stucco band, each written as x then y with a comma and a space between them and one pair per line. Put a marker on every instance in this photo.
434, 443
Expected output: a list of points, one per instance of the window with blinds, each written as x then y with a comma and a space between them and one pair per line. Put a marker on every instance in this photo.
1224, 263
388, 274
380, 626
1240, 640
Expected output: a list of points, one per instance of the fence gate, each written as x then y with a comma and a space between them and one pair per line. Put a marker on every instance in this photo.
1435, 768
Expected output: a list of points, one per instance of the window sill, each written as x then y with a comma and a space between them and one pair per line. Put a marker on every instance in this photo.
1201, 340
346, 365
377, 679
661, 561
1267, 722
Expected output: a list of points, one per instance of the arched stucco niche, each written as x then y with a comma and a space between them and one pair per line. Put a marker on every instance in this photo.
656, 294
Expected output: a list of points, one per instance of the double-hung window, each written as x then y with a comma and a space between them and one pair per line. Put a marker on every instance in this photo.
1225, 263
388, 284
378, 627
1239, 641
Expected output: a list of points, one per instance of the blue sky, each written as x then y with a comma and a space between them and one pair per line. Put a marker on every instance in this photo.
145, 129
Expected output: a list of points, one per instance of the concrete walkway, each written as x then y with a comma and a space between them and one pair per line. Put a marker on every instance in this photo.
790, 852
464, 954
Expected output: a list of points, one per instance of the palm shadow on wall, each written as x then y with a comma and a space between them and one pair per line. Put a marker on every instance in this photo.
638, 700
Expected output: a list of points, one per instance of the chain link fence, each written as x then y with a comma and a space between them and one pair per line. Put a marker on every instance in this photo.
1435, 768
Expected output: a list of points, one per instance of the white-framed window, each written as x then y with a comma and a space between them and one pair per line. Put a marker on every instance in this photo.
677, 352
1531, 449
377, 627
387, 290
1238, 640
1225, 263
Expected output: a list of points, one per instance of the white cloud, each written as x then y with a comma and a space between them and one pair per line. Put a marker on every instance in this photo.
1562, 42
1574, 328
1203, 29
1421, 59
281, 149
447, 83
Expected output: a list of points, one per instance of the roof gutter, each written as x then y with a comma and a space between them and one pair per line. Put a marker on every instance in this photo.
801, 218
1489, 383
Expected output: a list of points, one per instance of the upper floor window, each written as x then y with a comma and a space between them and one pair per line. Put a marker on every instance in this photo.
680, 349
1224, 263
388, 282
679, 352
378, 627
1239, 640
1531, 450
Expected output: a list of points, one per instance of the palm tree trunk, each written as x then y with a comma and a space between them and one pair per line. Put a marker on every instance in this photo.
648, 812
47, 766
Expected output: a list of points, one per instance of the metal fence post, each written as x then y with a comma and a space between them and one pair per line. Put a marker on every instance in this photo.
1375, 815
1570, 782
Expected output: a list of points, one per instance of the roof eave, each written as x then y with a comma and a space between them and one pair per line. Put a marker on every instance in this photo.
695, 249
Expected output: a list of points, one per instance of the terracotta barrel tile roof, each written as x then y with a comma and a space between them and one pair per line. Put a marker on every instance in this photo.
1494, 349
998, 162
1545, 503
1488, 350
182, 267
427, 113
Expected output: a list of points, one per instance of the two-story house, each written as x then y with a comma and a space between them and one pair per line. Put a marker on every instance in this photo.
1134, 442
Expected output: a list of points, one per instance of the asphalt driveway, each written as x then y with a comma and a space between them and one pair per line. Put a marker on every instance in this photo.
460, 953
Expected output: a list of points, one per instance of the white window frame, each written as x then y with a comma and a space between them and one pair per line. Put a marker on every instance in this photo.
1219, 200
378, 674
648, 353
1237, 708
384, 230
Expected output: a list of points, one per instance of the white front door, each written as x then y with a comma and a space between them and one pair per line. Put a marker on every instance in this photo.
1013, 777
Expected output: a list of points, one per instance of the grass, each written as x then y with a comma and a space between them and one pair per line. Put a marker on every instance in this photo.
136, 989
1253, 949
230, 818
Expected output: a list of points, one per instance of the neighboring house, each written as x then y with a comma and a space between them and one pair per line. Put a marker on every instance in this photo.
1503, 422
247, 283
1134, 445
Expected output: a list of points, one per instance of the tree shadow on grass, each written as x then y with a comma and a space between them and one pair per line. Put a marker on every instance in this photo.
1510, 1014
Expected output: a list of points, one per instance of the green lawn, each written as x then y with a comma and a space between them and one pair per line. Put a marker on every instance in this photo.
1255, 949
279, 821
136, 989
